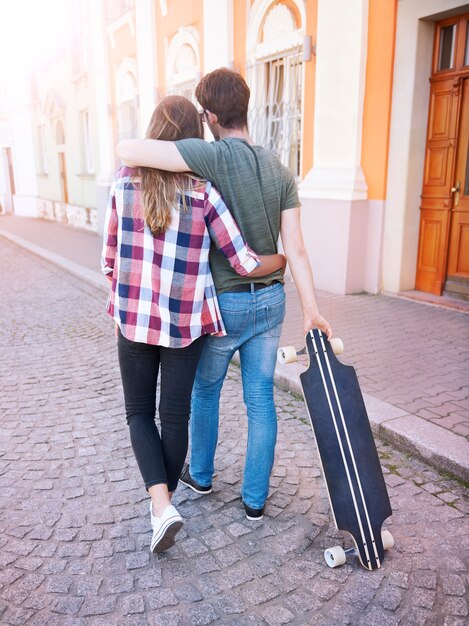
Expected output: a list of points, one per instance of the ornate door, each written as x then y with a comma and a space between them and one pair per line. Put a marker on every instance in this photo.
457, 279
443, 261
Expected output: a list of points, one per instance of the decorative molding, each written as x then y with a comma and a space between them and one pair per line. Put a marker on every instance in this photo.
334, 183
278, 22
272, 44
127, 70
183, 48
128, 19
53, 105
164, 7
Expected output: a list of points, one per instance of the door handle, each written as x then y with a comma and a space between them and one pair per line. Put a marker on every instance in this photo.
456, 191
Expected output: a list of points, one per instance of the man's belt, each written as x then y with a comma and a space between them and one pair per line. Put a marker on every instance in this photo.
249, 287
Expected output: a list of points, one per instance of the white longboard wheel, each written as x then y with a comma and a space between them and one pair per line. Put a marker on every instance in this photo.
337, 345
335, 556
387, 539
287, 354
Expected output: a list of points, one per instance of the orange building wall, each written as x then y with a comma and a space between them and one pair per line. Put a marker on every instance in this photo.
180, 13
378, 95
240, 26
309, 89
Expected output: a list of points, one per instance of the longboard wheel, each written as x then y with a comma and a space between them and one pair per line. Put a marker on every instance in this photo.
387, 539
335, 556
286, 354
337, 345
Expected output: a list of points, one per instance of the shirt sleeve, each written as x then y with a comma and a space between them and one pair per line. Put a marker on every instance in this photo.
200, 155
225, 233
291, 199
108, 254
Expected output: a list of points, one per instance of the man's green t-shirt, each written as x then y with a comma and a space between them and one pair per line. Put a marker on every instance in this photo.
256, 188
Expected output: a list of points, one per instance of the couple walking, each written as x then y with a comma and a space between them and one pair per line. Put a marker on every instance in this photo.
188, 291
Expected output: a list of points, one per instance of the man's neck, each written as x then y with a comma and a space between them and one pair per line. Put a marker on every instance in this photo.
235, 133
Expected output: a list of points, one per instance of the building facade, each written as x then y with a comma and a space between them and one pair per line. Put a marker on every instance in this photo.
366, 101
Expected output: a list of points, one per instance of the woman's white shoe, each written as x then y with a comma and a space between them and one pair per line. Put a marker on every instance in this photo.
165, 528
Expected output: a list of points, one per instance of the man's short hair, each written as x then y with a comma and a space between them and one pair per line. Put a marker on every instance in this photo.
225, 93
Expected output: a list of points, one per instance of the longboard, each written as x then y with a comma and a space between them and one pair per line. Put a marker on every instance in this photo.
350, 463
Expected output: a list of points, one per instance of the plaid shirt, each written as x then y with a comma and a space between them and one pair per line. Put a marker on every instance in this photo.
162, 288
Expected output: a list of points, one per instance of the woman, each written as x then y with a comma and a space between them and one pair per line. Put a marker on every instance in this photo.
157, 237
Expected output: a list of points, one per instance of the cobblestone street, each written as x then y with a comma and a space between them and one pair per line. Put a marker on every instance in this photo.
75, 530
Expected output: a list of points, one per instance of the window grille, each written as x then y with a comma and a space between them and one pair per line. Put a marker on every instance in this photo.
275, 112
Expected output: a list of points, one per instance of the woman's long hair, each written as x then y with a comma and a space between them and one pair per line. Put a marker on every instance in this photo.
174, 118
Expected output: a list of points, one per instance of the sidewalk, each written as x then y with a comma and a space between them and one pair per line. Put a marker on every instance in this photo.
411, 358
74, 523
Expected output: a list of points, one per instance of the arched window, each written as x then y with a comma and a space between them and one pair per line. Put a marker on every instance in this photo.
275, 76
127, 100
183, 63
59, 133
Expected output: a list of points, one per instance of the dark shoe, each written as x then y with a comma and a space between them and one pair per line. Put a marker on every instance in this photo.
186, 479
255, 515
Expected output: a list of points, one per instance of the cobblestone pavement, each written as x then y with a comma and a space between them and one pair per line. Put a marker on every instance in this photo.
417, 355
74, 527
416, 358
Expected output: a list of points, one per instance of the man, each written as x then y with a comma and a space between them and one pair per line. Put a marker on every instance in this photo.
263, 198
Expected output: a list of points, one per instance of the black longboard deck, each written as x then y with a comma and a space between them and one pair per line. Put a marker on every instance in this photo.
350, 462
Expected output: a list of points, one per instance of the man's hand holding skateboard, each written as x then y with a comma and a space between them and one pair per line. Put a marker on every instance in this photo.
316, 320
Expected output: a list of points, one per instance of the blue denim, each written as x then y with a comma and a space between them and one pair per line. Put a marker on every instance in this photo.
253, 321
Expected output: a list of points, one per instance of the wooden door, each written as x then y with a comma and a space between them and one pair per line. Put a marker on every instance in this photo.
457, 280
437, 182
447, 121
63, 177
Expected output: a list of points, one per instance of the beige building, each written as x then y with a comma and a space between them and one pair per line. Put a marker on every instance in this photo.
367, 101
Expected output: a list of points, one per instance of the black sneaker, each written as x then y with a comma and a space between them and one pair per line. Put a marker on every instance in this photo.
255, 515
186, 479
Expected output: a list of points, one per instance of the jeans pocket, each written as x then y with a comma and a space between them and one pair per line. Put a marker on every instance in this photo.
235, 321
274, 315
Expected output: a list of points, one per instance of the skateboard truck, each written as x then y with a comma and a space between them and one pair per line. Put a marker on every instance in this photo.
338, 556
289, 354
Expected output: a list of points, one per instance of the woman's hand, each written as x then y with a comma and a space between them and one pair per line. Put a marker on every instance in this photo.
270, 263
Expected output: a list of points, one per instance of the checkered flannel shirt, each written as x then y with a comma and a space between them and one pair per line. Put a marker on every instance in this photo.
162, 289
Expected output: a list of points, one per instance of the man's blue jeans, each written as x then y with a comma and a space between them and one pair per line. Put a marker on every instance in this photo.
253, 321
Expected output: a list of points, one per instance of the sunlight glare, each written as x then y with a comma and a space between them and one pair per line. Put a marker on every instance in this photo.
30, 31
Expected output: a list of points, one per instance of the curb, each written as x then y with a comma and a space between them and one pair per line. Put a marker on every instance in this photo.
435, 445
93, 278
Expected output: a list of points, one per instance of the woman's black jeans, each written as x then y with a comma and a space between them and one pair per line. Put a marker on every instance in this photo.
160, 458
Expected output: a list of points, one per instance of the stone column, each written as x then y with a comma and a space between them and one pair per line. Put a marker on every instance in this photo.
218, 34
145, 34
334, 192
102, 93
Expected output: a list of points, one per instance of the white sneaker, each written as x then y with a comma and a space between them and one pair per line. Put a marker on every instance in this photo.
165, 528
